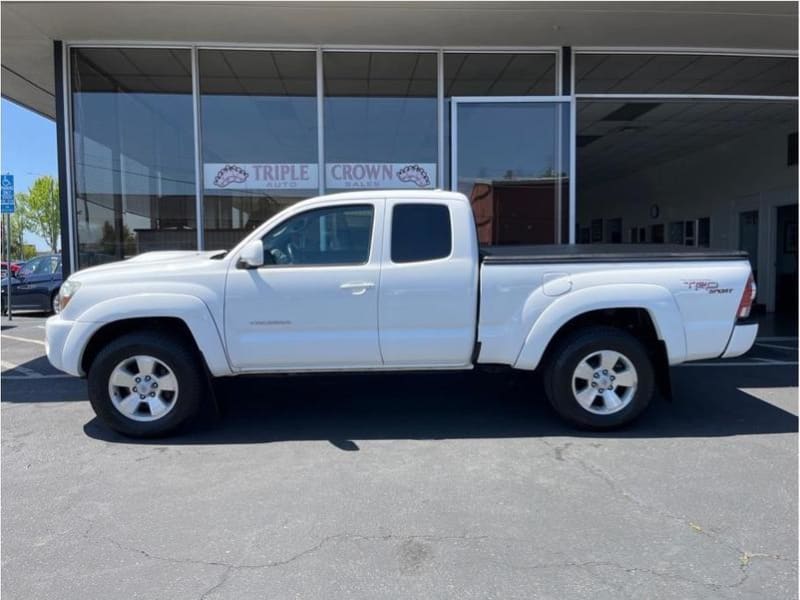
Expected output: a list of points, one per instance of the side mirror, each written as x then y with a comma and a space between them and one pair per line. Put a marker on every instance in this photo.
252, 255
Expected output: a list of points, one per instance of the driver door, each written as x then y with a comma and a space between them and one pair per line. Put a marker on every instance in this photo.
33, 287
314, 303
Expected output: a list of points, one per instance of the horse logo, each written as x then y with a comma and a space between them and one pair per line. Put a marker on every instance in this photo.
415, 174
230, 174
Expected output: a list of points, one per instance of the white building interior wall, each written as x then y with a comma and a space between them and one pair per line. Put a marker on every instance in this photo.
720, 182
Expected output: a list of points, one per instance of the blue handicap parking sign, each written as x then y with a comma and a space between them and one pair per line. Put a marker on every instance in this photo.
6, 193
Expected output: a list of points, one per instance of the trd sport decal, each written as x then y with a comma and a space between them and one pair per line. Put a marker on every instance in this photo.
706, 285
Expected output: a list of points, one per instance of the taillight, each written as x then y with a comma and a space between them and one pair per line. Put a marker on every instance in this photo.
748, 295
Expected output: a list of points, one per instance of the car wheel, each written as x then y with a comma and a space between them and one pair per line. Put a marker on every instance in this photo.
54, 303
146, 384
600, 378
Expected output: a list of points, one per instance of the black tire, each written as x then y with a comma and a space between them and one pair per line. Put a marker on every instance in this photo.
182, 359
53, 303
570, 352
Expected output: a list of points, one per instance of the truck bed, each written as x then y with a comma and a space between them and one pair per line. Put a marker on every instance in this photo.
602, 253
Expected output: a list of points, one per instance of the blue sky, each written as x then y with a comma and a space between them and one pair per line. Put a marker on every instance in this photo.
28, 150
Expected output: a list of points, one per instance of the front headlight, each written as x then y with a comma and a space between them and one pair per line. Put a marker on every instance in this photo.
65, 294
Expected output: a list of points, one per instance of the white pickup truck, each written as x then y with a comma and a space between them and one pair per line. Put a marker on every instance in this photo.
395, 280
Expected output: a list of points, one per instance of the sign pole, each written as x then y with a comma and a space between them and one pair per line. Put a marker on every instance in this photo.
7, 207
8, 265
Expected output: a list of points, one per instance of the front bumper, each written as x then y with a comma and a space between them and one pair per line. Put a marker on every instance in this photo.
64, 342
741, 341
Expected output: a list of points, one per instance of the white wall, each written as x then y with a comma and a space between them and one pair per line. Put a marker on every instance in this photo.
748, 173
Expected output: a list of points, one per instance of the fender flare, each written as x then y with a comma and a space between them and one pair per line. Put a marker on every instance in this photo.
656, 300
189, 309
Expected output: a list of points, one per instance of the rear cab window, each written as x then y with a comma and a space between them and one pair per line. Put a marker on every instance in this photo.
421, 232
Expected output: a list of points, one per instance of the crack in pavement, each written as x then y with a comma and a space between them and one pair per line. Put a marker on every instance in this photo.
230, 567
610, 564
744, 557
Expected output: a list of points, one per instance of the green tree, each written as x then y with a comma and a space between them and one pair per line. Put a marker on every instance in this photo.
17, 230
19, 250
39, 210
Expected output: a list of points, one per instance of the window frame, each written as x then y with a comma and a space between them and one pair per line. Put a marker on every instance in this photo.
369, 205
250, 199
67, 91
64, 68
390, 217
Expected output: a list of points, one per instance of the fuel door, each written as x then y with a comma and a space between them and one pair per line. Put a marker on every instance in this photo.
556, 284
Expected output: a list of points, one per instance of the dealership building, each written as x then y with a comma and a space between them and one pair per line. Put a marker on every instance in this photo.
185, 125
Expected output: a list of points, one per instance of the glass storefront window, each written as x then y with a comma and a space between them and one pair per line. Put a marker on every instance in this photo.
499, 74
685, 74
133, 145
259, 133
512, 162
494, 74
380, 120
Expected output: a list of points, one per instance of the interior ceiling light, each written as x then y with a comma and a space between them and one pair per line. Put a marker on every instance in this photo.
630, 129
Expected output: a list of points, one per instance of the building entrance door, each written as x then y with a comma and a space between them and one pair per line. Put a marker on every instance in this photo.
786, 260
510, 157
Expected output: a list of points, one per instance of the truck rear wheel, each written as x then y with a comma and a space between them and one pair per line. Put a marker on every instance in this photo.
600, 378
146, 384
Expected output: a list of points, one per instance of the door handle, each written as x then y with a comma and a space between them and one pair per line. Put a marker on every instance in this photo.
358, 287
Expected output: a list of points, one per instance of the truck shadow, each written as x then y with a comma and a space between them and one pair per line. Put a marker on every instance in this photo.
707, 402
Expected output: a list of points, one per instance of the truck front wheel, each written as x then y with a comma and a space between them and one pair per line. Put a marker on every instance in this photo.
146, 384
600, 378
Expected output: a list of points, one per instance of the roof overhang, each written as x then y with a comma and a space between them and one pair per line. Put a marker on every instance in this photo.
29, 28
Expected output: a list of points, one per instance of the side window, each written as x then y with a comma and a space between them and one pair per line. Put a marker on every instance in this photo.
339, 235
37, 266
420, 232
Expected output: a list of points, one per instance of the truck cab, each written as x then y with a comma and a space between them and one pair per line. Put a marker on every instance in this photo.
358, 282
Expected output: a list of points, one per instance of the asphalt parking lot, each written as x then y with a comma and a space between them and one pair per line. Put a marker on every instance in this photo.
403, 486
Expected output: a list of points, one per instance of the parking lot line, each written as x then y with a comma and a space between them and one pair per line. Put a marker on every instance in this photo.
774, 346
766, 363
21, 339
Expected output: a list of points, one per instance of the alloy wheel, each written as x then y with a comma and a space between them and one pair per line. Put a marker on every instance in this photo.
143, 388
604, 382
